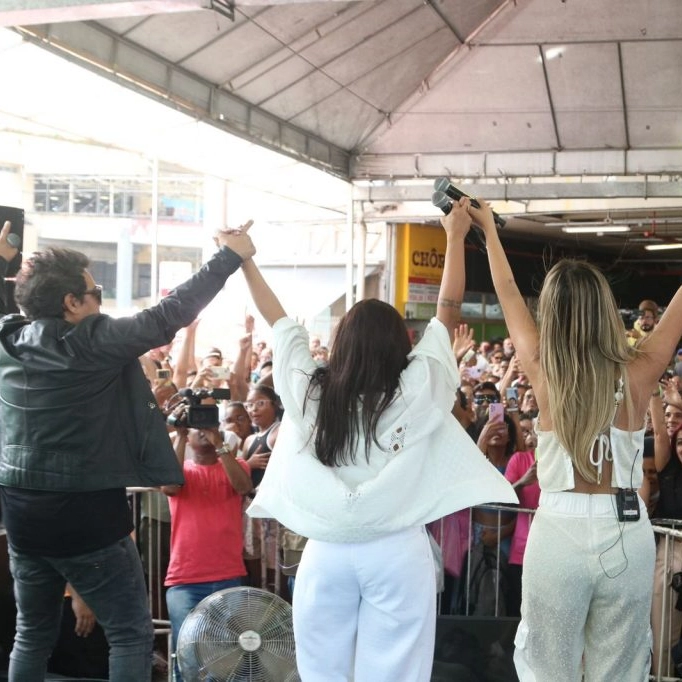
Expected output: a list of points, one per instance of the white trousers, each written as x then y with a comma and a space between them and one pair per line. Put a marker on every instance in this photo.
366, 611
586, 593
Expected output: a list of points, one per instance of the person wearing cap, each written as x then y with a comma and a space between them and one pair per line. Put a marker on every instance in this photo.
214, 358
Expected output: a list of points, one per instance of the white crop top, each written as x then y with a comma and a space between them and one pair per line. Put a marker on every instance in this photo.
623, 448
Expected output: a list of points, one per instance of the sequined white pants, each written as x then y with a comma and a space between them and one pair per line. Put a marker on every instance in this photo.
586, 595
366, 611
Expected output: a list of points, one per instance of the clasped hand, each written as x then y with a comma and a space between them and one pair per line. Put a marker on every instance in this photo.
237, 239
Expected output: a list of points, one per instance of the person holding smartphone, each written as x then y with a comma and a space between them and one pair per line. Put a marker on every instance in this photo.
368, 452
497, 441
589, 561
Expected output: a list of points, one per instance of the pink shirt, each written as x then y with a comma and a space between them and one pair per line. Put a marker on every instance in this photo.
529, 496
206, 527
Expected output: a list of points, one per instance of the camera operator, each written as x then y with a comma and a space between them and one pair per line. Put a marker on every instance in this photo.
206, 514
79, 424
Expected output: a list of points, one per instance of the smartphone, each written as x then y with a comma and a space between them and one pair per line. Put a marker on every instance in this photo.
163, 374
496, 412
16, 217
219, 372
512, 396
468, 355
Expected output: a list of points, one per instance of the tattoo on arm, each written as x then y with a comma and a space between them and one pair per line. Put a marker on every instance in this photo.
449, 303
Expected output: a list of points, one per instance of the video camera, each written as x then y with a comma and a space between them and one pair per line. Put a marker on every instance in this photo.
189, 413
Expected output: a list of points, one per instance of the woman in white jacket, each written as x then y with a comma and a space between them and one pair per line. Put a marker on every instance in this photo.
368, 452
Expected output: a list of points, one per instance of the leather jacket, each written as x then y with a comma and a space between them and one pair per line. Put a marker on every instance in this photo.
76, 411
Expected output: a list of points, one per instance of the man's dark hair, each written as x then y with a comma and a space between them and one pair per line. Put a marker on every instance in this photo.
46, 277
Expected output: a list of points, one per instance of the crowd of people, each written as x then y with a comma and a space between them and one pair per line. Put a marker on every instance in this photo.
314, 471
491, 374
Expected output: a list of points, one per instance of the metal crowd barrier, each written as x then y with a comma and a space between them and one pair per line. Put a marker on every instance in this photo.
151, 517
152, 536
667, 531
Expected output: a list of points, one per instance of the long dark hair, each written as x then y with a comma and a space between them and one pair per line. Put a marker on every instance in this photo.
370, 350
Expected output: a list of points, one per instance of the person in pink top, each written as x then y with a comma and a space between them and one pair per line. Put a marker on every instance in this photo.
521, 473
206, 523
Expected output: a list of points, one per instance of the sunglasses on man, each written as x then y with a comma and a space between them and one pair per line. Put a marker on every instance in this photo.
480, 399
96, 291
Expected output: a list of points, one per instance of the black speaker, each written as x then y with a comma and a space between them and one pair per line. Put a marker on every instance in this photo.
473, 649
16, 217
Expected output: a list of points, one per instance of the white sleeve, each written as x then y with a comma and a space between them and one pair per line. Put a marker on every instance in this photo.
292, 366
435, 347
430, 381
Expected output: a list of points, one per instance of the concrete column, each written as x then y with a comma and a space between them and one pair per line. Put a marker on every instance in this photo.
215, 211
350, 255
124, 269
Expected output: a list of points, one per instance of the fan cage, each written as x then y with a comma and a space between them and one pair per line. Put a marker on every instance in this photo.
209, 647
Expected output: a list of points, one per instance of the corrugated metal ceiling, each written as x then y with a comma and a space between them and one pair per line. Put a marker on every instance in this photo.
523, 94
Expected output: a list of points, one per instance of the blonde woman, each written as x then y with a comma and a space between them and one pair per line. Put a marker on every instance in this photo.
588, 567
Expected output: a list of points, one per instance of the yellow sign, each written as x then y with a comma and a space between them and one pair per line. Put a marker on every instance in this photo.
420, 258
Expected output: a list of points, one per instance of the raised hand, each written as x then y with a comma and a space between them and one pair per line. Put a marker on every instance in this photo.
463, 340
458, 221
238, 240
483, 216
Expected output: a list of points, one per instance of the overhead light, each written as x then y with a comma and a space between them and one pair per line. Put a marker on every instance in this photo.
595, 229
554, 52
583, 223
664, 247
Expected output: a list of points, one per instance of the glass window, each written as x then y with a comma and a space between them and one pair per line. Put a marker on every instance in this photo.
472, 305
91, 196
493, 309
40, 193
58, 197
180, 197
142, 280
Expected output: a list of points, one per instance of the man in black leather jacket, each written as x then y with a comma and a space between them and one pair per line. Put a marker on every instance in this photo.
78, 424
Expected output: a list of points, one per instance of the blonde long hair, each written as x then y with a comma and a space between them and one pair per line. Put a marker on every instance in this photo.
583, 354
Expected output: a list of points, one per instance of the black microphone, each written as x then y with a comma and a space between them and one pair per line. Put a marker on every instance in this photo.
442, 201
444, 186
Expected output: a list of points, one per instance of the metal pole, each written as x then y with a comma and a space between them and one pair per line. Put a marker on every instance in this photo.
362, 256
350, 222
155, 233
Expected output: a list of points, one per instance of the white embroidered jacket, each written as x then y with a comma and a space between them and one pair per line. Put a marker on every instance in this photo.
426, 467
